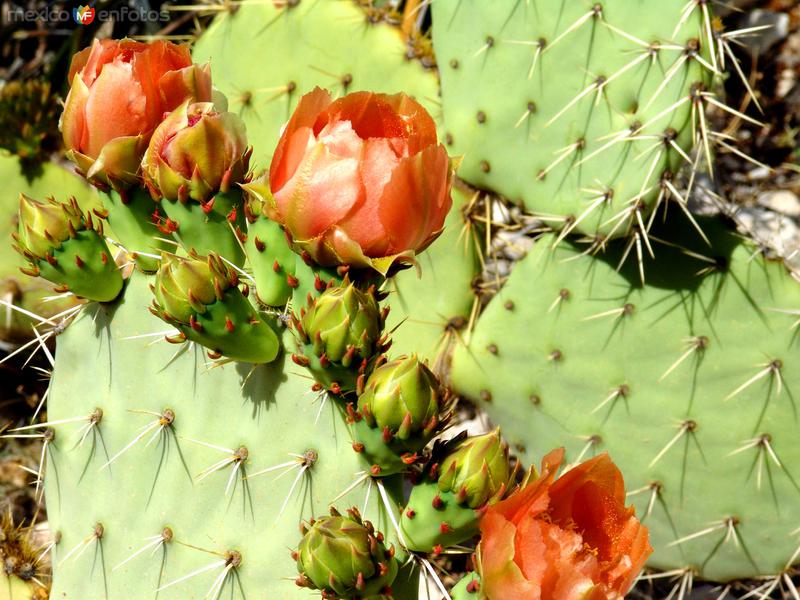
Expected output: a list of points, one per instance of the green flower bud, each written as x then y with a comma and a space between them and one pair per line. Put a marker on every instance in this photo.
185, 286
340, 335
403, 398
476, 470
201, 298
43, 226
344, 557
342, 318
67, 248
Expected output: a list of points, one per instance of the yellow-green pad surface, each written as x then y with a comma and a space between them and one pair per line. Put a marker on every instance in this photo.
270, 410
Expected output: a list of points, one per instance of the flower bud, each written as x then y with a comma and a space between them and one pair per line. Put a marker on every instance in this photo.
67, 248
195, 153
120, 90
201, 298
184, 287
344, 557
476, 470
404, 396
340, 333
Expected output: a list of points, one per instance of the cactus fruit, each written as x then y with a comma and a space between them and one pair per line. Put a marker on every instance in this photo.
400, 409
463, 476
345, 558
589, 91
67, 248
339, 336
201, 298
21, 576
278, 272
687, 381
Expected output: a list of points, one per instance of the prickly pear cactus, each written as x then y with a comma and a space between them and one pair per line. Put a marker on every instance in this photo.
596, 104
689, 382
157, 449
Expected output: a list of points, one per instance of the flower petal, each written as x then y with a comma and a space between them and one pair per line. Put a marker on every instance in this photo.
120, 158
73, 121
363, 223
291, 148
192, 83
417, 199
115, 108
321, 192
501, 576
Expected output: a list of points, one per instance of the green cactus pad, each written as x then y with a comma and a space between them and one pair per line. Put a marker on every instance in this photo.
549, 126
689, 382
429, 310
149, 487
138, 225
310, 43
209, 229
424, 526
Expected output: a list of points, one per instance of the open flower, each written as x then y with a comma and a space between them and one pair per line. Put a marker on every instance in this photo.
120, 90
360, 180
195, 153
570, 538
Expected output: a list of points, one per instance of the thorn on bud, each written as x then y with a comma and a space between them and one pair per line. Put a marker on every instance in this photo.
300, 360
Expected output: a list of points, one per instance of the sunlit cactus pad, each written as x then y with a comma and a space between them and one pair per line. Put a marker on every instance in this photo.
560, 106
689, 382
429, 308
136, 381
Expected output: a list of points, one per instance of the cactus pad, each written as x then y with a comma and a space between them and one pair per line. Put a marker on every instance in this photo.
574, 109
113, 494
690, 382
